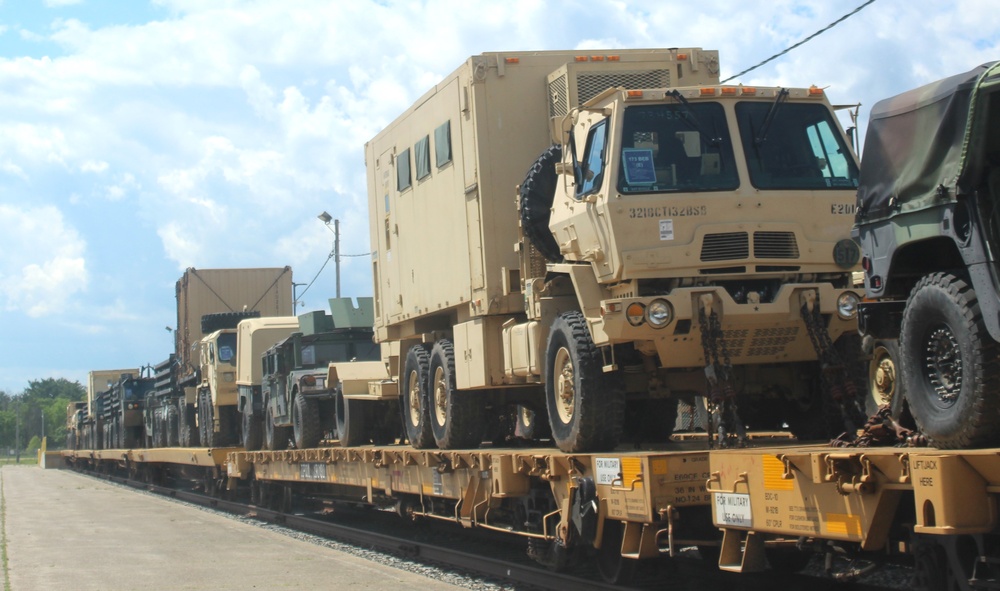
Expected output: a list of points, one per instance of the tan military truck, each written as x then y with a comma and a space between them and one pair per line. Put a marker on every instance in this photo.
207, 300
676, 237
231, 358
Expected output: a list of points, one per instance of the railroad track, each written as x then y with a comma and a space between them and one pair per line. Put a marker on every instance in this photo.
683, 574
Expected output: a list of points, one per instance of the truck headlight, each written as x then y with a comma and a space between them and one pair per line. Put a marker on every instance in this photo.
659, 313
847, 305
635, 313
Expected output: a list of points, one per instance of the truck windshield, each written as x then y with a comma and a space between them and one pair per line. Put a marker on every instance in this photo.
676, 147
802, 148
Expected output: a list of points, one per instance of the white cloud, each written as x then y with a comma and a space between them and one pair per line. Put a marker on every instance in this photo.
43, 265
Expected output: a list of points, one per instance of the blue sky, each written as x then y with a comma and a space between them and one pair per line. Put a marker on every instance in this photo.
138, 139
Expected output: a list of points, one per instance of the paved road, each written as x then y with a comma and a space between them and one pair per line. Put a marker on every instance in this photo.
65, 531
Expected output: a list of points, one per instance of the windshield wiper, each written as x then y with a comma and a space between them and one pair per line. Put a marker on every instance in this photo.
778, 99
693, 119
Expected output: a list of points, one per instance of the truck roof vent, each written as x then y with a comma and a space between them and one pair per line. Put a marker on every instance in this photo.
725, 247
775, 245
590, 84
573, 84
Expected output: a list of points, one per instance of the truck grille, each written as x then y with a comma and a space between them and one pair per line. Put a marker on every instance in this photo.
775, 245
733, 246
590, 84
725, 247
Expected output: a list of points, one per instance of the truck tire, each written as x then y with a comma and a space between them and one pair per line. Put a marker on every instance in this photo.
415, 409
306, 430
586, 406
950, 368
537, 193
172, 428
222, 320
275, 438
206, 419
253, 437
457, 418
351, 420
884, 381
188, 431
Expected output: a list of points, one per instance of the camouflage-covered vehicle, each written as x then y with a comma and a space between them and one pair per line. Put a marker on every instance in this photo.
929, 227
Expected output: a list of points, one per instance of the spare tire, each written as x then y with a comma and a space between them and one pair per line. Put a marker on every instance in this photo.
537, 193
213, 322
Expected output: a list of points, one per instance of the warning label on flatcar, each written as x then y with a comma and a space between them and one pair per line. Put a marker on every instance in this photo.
608, 470
733, 509
312, 471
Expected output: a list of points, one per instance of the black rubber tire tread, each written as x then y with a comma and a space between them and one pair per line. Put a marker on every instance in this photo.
223, 320
537, 194
252, 429
417, 358
351, 421
206, 419
188, 430
306, 430
465, 419
973, 419
599, 398
171, 424
275, 438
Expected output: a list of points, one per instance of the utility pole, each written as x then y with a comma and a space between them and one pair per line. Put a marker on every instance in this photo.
17, 431
336, 250
326, 219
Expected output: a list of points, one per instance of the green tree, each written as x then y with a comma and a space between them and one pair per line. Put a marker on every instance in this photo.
33, 445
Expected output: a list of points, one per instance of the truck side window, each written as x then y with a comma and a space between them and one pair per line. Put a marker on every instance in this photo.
403, 181
593, 159
442, 144
422, 157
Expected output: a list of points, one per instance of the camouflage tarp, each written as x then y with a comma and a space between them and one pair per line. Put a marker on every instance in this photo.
915, 145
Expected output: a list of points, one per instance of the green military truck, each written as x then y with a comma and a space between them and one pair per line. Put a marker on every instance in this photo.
929, 226
293, 400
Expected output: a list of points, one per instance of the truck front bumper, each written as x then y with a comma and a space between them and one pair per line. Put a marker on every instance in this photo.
753, 332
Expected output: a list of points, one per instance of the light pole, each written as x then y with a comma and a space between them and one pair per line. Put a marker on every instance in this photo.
327, 218
295, 297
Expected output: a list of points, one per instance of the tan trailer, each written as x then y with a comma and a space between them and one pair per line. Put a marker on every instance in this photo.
676, 238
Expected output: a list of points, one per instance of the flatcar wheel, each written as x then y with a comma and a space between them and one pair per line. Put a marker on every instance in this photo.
930, 567
614, 568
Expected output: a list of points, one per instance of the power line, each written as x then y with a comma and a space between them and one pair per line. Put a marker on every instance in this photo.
816, 34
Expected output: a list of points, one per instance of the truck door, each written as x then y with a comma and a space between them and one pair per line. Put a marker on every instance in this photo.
387, 269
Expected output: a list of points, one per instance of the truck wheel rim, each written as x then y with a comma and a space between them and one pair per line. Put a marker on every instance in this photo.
883, 385
440, 396
564, 386
414, 394
943, 364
